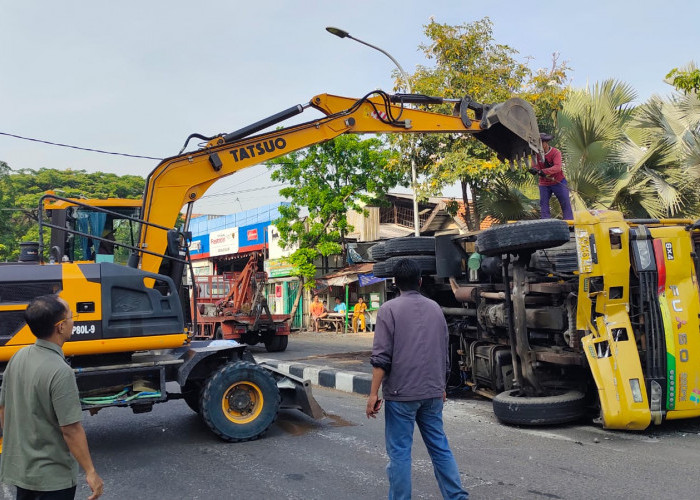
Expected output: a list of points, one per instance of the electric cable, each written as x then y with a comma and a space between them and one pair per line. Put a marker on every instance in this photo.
92, 150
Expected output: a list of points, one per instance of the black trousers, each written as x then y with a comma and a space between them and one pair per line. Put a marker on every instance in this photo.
67, 494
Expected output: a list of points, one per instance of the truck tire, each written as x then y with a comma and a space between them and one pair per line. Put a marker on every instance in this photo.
426, 263
380, 270
522, 235
377, 252
277, 343
562, 259
511, 408
240, 401
416, 245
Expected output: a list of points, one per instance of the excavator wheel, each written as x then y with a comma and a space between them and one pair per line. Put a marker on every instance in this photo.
277, 343
192, 394
240, 401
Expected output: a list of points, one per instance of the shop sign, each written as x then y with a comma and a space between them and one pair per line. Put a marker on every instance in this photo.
278, 268
223, 242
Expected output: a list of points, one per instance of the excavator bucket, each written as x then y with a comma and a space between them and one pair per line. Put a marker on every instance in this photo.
510, 129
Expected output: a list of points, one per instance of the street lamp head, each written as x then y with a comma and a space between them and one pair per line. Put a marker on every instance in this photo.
337, 32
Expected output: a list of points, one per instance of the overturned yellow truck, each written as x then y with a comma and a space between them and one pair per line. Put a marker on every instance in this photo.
557, 321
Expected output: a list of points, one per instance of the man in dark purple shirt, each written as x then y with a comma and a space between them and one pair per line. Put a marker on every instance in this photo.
409, 360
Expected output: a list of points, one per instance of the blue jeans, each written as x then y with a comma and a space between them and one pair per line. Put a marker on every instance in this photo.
561, 191
400, 417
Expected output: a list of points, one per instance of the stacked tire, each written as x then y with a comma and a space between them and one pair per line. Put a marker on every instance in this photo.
420, 249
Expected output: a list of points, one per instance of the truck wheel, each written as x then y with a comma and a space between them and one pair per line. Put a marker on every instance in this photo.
512, 408
240, 401
522, 235
417, 245
380, 270
278, 343
377, 252
218, 334
426, 263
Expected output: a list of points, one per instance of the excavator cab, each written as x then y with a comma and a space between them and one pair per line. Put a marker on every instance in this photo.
92, 235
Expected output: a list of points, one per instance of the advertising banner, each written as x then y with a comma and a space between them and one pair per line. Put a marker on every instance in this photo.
252, 237
278, 268
368, 279
223, 242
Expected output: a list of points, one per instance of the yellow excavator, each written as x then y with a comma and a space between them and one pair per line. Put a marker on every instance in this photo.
131, 330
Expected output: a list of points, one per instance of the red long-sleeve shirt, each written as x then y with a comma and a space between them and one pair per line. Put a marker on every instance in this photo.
551, 166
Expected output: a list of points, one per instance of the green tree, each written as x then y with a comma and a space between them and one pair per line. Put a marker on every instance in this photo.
21, 190
468, 61
328, 180
685, 79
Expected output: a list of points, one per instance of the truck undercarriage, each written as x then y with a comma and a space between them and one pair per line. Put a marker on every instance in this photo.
558, 321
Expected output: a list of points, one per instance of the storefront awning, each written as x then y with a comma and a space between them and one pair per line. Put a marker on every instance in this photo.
350, 274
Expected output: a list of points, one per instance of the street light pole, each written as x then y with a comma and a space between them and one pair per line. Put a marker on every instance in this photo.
414, 180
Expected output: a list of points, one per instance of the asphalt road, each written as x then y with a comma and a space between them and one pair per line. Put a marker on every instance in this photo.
342, 351
170, 454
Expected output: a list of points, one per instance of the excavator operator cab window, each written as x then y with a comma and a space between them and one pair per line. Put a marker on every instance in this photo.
118, 229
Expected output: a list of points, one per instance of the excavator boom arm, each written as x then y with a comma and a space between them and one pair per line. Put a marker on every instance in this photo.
509, 128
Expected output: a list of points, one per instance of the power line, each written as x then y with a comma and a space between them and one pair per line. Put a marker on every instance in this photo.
243, 191
94, 150
78, 147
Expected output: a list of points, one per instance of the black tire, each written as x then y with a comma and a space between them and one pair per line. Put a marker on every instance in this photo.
192, 394
511, 408
277, 343
377, 252
380, 270
426, 263
218, 334
521, 236
240, 401
562, 259
417, 245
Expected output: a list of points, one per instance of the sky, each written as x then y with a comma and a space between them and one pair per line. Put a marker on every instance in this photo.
138, 77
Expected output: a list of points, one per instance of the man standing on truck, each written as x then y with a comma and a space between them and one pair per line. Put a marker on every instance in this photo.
409, 360
40, 412
551, 179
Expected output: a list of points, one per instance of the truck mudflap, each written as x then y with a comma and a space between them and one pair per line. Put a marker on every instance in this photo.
295, 393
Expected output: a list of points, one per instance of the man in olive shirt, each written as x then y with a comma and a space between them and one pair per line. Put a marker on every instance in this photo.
40, 412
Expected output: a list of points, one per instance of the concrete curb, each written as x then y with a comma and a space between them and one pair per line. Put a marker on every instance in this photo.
325, 376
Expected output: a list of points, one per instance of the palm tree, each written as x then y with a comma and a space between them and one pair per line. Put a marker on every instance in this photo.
666, 154
643, 161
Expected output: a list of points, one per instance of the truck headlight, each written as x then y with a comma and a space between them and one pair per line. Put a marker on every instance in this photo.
636, 390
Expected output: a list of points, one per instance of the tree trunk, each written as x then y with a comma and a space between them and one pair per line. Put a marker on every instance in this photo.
300, 290
467, 205
477, 214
